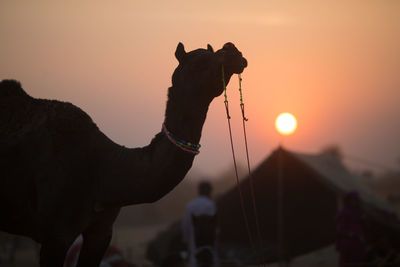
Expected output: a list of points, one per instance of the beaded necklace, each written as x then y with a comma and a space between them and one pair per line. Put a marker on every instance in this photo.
185, 146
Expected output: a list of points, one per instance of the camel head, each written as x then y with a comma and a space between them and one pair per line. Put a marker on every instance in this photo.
199, 73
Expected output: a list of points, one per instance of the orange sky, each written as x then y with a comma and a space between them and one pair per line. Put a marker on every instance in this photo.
333, 64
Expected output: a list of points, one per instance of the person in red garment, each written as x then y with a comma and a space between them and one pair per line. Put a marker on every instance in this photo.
350, 230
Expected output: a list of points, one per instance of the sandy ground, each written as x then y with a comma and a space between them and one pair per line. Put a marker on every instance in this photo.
132, 241
26, 257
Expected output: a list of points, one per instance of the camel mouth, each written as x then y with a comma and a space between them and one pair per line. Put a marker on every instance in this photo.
242, 66
236, 67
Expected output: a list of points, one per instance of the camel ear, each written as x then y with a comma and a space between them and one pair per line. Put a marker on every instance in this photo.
209, 48
180, 52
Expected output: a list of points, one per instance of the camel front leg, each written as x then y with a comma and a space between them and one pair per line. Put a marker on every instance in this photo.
96, 239
52, 253
93, 249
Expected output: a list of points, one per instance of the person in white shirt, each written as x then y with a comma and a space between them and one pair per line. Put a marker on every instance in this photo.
200, 228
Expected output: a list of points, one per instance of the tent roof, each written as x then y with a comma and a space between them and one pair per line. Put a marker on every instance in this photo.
335, 175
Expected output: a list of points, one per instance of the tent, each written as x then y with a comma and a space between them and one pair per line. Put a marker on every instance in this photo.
297, 198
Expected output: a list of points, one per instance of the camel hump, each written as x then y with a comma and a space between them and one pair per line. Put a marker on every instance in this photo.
11, 88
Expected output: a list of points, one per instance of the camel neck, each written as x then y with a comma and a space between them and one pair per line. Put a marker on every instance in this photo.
185, 118
143, 175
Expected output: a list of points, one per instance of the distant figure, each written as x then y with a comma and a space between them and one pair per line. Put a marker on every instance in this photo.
350, 230
200, 227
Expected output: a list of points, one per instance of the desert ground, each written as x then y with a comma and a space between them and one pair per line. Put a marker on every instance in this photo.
132, 241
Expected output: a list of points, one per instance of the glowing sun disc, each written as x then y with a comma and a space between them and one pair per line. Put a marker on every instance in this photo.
286, 123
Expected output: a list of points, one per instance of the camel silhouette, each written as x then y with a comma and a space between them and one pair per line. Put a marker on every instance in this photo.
61, 176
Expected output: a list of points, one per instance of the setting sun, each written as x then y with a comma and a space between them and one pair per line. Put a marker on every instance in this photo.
286, 123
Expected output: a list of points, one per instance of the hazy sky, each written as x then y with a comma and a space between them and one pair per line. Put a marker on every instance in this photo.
333, 64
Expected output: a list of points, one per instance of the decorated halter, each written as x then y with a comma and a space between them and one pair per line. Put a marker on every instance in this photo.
185, 146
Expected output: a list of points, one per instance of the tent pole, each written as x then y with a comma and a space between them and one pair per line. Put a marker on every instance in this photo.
280, 208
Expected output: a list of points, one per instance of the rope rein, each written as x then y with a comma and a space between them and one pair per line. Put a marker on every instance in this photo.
242, 106
226, 100
248, 165
251, 179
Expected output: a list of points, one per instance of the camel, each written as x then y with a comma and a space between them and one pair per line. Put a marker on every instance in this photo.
61, 176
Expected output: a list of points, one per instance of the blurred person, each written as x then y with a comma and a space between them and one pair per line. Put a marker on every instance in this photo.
200, 228
350, 232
